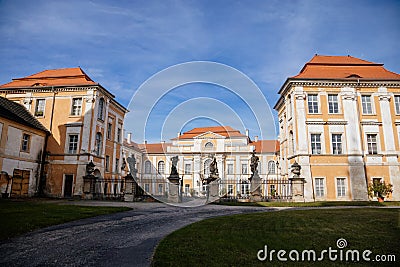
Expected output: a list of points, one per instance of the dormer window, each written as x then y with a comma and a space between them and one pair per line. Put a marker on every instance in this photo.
356, 76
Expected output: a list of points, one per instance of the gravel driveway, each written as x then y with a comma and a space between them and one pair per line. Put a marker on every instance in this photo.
122, 239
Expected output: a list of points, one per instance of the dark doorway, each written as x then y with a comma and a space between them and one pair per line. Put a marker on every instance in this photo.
69, 179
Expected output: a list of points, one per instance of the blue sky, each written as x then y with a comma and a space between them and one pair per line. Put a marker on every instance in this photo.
121, 44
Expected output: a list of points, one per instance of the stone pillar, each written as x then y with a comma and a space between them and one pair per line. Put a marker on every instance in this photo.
356, 163
297, 184
213, 191
389, 140
129, 188
255, 187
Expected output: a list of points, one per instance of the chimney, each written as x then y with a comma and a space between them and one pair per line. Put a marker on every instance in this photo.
256, 138
247, 132
145, 142
179, 134
129, 138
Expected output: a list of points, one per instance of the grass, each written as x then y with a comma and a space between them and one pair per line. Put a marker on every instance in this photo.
314, 204
235, 240
22, 216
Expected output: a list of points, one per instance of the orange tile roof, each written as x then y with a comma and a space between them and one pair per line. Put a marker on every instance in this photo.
158, 148
265, 146
344, 67
226, 131
56, 77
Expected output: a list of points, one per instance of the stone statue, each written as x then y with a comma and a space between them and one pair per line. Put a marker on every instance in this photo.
295, 169
174, 170
90, 168
213, 168
254, 162
132, 166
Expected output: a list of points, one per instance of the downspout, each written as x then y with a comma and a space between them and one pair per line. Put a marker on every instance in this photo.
52, 110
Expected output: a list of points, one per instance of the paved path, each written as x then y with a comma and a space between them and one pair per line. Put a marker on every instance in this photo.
122, 239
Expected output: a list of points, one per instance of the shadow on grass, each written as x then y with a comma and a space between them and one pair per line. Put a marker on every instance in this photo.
24, 215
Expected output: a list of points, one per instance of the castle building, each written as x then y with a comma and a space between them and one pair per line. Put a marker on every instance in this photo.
23, 141
85, 124
339, 118
196, 149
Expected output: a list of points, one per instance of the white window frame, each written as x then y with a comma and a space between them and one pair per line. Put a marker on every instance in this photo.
339, 193
230, 189
160, 189
75, 141
244, 168
40, 107
371, 103
367, 143
229, 169
26, 142
397, 104
320, 142
341, 143
147, 167
270, 164
337, 103
161, 167
100, 109
188, 168
76, 109
318, 187
313, 106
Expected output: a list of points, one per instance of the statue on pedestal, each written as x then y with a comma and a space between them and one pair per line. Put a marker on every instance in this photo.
174, 175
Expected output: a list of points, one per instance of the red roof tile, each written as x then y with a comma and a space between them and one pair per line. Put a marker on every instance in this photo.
344, 67
225, 131
56, 77
265, 146
158, 148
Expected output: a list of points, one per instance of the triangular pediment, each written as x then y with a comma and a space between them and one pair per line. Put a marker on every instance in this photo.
209, 135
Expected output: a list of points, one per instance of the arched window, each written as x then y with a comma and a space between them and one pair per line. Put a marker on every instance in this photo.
98, 144
100, 111
209, 145
147, 167
271, 167
161, 167
207, 167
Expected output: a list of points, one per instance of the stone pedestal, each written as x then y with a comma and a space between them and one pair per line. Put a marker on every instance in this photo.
129, 188
174, 189
88, 186
213, 191
255, 187
297, 189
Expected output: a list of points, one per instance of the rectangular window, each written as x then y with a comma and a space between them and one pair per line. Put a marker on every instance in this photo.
397, 104
107, 163
372, 144
315, 144
333, 104
312, 103
341, 187
109, 131
76, 108
188, 168
230, 169
245, 189
72, 143
116, 165
244, 168
366, 104
319, 187
160, 189
187, 189
230, 189
25, 142
119, 135
39, 109
337, 144
146, 188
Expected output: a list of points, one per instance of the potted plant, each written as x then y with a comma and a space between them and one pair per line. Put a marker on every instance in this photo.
380, 190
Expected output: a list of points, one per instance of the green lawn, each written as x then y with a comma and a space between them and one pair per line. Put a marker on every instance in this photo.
313, 204
236, 240
22, 216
